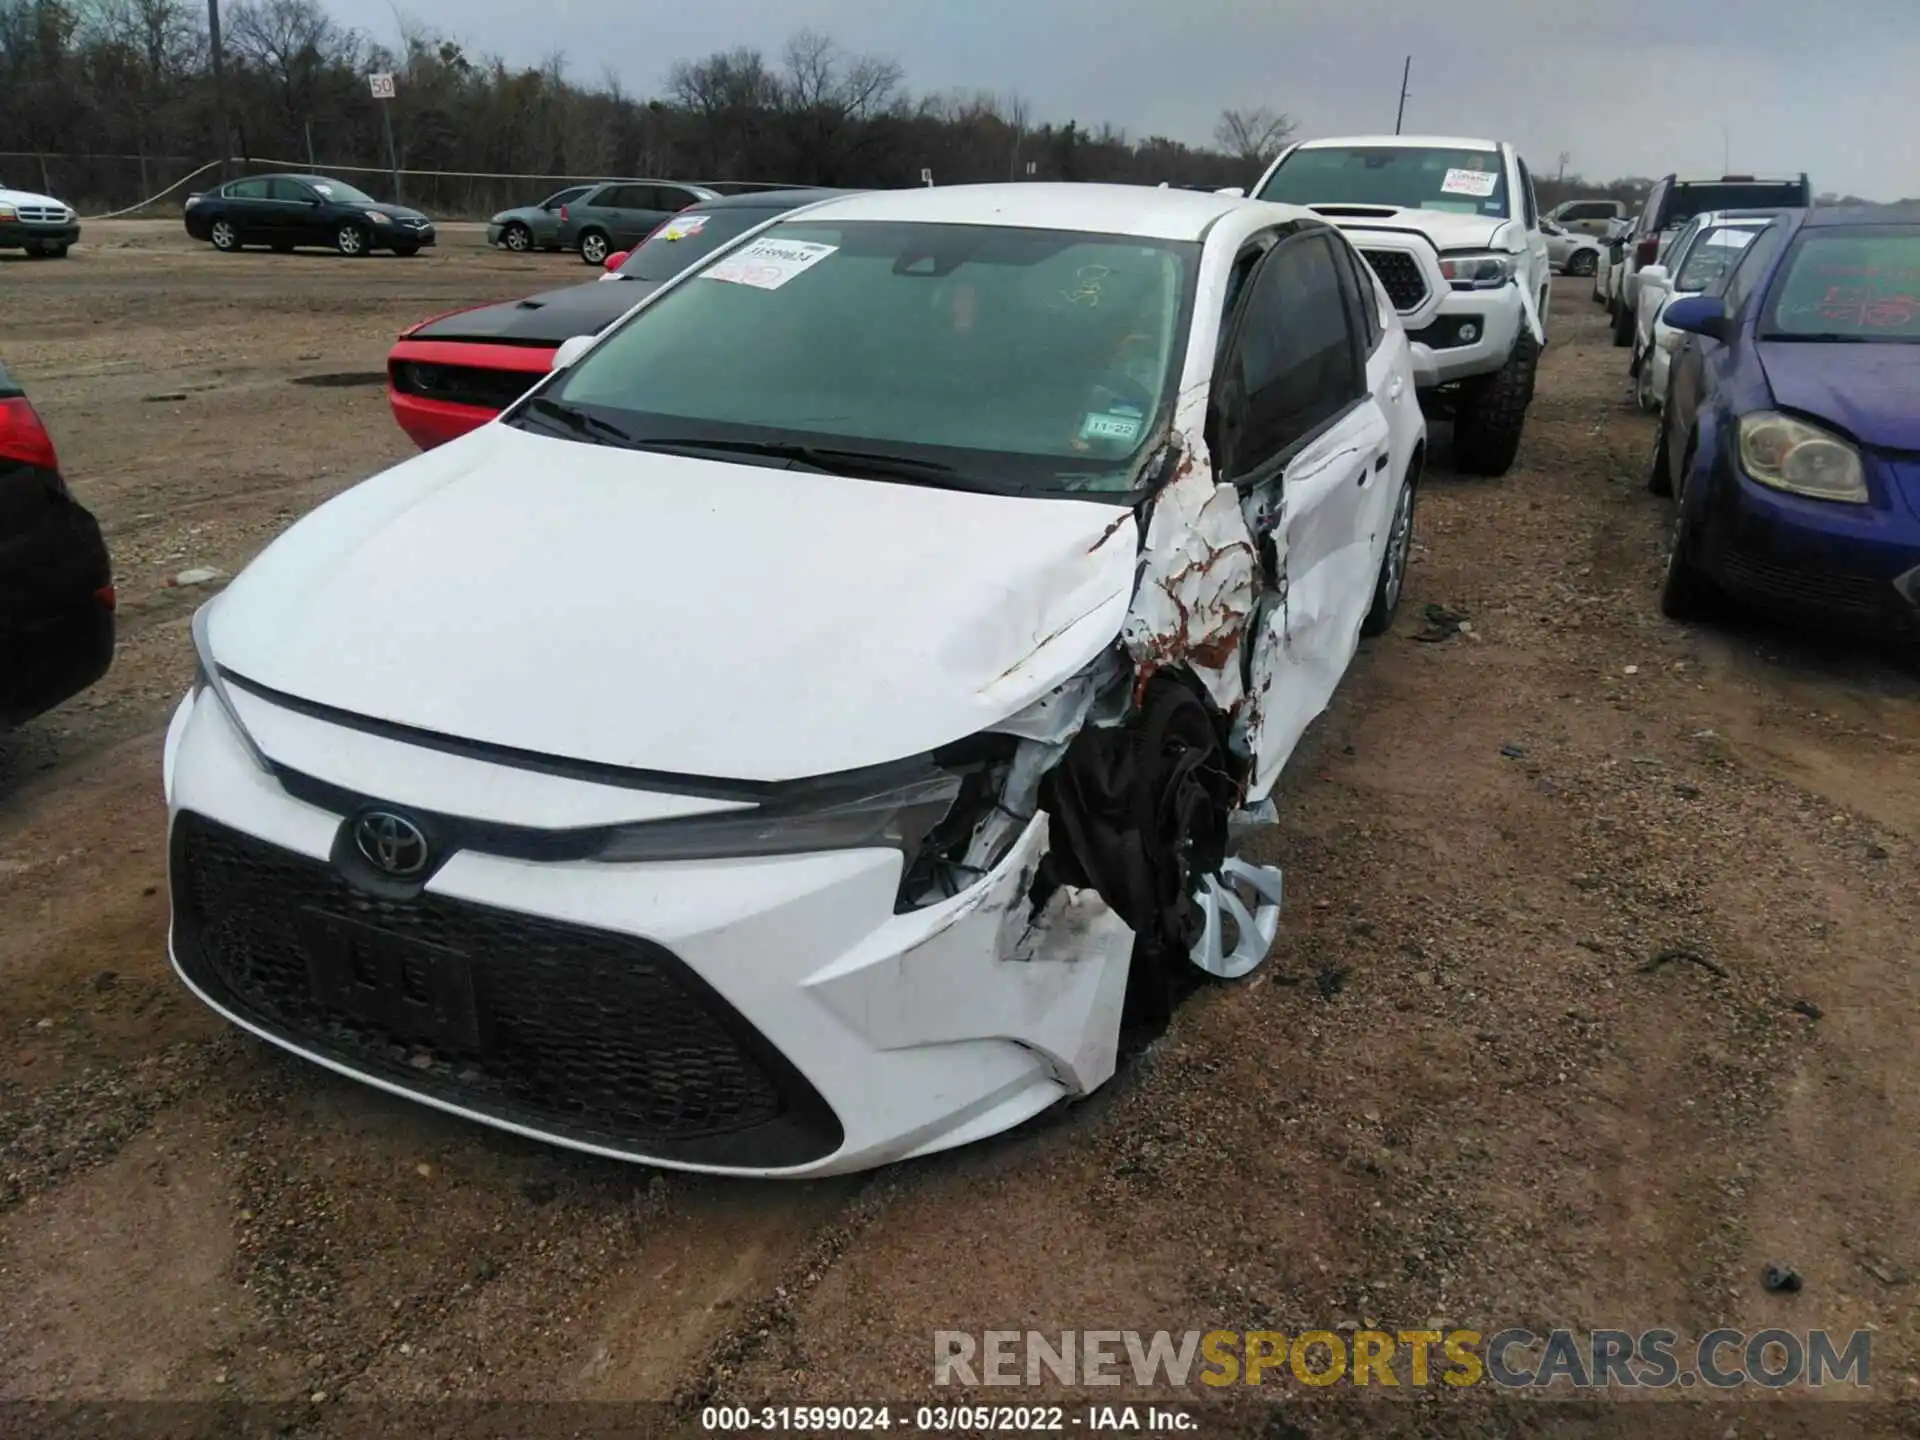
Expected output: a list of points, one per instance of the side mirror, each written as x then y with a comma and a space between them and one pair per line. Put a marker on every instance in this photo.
1236, 191
1700, 315
570, 350
1653, 274
616, 260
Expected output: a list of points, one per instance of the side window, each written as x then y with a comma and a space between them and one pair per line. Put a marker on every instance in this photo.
672, 197
635, 197
1294, 364
1526, 195
289, 190
247, 190
1363, 300
1741, 279
600, 195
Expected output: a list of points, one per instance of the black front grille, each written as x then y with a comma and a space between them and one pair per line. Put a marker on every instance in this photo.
462, 384
1400, 273
1767, 578
580, 1034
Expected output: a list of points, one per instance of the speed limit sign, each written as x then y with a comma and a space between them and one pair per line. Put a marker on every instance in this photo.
382, 86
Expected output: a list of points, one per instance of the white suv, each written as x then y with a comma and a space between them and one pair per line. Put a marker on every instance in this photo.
1452, 229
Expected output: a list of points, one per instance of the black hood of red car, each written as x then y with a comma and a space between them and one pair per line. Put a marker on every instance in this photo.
544, 319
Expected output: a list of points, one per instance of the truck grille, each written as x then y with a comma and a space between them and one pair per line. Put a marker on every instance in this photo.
462, 384
42, 214
579, 1034
1400, 273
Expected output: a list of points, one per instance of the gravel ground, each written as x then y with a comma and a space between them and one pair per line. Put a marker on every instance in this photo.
1466, 1088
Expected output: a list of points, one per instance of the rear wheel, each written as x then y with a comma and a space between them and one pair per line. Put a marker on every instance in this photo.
1583, 262
594, 247
1492, 412
224, 236
1393, 565
1622, 327
517, 238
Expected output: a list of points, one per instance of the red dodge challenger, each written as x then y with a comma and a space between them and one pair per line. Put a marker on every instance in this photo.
454, 372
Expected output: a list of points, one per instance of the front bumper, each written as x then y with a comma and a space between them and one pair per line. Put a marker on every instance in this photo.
472, 381
16, 234
1854, 566
392, 235
767, 1016
1495, 318
434, 422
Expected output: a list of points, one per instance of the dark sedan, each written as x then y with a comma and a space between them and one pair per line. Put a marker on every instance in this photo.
453, 373
56, 584
283, 212
1790, 438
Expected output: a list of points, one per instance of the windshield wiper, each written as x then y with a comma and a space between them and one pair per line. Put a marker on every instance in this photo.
874, 464
578, 423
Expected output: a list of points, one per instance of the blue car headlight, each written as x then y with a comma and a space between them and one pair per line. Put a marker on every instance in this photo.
1785, 453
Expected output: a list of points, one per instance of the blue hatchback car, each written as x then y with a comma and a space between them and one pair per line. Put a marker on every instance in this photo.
1790, 438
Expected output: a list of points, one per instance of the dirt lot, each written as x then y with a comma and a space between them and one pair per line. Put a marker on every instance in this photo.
1458, 1091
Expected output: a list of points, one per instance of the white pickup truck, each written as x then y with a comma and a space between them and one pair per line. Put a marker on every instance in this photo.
1452, 228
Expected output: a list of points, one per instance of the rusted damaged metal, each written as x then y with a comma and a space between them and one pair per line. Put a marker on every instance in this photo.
1197, 583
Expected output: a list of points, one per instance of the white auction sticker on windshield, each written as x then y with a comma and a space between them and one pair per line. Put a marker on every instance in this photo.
769, 264
681, 226
1477, 183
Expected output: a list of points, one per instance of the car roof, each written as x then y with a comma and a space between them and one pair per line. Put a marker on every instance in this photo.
1739, 180
1903, 213
1048, 205
773, 199
1420, 142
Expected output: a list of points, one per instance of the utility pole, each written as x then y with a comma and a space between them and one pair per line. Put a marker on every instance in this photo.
219, 84
1406, 73
1565, 156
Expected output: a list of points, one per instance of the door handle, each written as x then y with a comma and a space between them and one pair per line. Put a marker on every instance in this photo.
1379, 464
1394, 387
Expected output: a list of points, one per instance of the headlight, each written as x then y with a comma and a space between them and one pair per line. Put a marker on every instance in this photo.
1477, 272
1788, 454
6, 212
378, 217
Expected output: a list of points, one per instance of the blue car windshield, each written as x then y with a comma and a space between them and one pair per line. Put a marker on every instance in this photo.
1858, 284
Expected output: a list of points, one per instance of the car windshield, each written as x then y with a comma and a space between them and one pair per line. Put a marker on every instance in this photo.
1025, 361
1688, 201
1849, 284
1413, 177
342, 194
689, 236
1712, 256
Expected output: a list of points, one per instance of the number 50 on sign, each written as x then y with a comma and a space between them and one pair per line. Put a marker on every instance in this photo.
382, 86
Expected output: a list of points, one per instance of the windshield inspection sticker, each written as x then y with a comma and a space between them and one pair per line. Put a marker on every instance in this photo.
1110, 427
1477, 183
769, 264
681, 226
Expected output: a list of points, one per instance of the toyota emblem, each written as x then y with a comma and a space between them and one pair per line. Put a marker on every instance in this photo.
391, 843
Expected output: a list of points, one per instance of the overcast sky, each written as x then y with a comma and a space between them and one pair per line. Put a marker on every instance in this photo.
1624, 86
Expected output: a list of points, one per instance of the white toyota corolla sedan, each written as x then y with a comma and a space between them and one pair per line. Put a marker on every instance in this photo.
797, 734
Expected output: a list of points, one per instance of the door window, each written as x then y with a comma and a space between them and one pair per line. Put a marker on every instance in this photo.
1294, 364
628, 197
247, 190
1356, 280
290, 190
1742, 276
1526, 194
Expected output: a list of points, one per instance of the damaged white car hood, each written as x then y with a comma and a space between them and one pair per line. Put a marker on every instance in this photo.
673, 614
1446, 229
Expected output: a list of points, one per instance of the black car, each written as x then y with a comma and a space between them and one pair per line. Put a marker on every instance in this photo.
56, 583
285, 211
453, 372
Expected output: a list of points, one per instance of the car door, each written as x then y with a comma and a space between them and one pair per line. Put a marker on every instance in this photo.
1539, 265
1654, 288
294, 213
632, 211
1298, 432
245, 203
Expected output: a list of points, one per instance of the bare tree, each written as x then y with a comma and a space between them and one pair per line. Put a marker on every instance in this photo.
1254, 136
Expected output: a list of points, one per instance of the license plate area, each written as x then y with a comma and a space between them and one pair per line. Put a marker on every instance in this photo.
415, 989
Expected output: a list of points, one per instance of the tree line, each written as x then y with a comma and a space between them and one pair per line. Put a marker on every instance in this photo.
106, 102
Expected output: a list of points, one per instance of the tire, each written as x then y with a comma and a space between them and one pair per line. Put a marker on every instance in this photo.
517, 238
1660, 467
1393, 565
595, 247
405, 251
1583, 262
1490, 416
1622, 327
1643, 382
1685, 594
352, 241
225, 237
